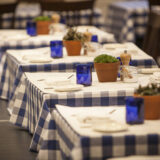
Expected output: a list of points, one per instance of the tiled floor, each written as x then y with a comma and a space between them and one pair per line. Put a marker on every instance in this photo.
14, 141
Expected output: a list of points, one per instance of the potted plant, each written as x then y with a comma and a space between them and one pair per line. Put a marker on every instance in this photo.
42, 24
73, 41
151, 96
106, 67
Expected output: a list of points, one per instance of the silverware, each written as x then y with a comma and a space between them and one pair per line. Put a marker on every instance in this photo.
48, 88
40, 79
112, 111
70, 76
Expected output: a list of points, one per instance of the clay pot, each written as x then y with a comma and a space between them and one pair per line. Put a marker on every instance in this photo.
73, 47
151, 106
43, 27
107, 72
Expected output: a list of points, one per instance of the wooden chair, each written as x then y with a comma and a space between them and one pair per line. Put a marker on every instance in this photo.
151, 43
153, 3
7, 8
67, 6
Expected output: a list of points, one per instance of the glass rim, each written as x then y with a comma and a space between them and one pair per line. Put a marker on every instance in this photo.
54, 42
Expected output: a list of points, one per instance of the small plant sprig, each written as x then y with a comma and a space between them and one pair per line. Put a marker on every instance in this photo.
149, 90
42, 18
73, 34
104, 58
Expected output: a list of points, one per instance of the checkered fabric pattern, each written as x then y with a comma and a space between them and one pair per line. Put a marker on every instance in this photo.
39, 108
13, 69
83, 16
127, 20
32, 110
4, 46
74, 146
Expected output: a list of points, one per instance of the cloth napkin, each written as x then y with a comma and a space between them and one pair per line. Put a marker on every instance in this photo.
95, 31
155, 78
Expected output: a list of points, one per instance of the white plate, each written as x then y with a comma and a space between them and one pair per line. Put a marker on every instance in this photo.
40, 60
58, 81
67, 88
110, 127
114, 46
149, 70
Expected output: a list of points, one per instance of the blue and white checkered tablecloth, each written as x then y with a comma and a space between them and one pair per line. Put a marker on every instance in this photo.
28, 11
33, 106
13, 68
138, 140
127, 20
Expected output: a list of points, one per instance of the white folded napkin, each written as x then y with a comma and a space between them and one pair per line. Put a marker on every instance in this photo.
95, 31
155, 78
149, 70
111, 113
17, 37
68, 87
58, 81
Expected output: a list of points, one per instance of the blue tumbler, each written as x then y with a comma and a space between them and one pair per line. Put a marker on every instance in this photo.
56, 49
84, 74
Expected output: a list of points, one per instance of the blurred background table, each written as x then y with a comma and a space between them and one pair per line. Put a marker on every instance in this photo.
27, 11
127, 20
87, 143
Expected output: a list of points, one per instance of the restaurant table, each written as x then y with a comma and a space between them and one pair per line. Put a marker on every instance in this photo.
19, 40
27, 11
16, 62
36, 99
78, 141
127, 20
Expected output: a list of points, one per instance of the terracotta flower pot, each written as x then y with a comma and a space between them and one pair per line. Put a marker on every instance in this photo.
73, 47
107, 72
151, 106
43, 27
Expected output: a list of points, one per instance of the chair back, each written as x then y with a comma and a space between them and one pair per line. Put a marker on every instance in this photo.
67, 6
153, 3
151, 43
7, 8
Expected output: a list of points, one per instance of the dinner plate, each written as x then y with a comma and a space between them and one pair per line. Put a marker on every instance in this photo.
67, 88
58, 81
40, 60
114, 46
149, 70
110, 127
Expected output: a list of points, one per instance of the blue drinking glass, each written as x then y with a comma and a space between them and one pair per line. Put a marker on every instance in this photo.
134, 110
94, 38
56, 49
31, 28
84, 74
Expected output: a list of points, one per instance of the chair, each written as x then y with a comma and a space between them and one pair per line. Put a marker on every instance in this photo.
67, 6
151, 43
153, 3
7, 8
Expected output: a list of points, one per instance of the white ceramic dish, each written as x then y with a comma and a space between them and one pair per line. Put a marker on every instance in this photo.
69, 87
149, 70
112, 126
39, 60
114, 46
58, 81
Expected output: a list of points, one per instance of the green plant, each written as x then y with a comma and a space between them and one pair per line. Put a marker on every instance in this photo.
73, 34
104, 58
151, 89
42, 18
